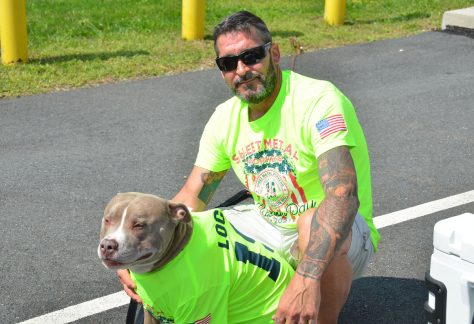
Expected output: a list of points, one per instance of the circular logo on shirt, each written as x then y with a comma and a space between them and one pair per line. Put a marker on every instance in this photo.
271, 186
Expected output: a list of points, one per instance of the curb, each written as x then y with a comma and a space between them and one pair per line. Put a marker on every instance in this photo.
462, 19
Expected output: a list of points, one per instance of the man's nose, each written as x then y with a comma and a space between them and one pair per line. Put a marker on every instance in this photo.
242, 69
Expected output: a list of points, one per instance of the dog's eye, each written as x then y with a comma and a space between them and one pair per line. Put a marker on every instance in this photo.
106, 220
139, 226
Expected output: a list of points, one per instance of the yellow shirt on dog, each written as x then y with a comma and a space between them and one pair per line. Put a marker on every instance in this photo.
221, 276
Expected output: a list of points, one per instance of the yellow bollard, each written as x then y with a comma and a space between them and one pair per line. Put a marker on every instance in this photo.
13, 31
335, 12
193, 19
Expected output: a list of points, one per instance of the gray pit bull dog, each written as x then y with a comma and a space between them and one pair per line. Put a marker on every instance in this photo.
190, 268
140, 232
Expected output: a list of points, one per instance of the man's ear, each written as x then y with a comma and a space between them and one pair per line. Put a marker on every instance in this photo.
179, 213
275, 52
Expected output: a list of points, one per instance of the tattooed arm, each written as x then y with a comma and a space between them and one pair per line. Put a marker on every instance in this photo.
330, 226
332, 221
199, 188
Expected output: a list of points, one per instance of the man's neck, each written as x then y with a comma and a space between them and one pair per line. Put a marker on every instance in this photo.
258, 110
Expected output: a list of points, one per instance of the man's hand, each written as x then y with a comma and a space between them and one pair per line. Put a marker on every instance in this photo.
128, 284
300, 302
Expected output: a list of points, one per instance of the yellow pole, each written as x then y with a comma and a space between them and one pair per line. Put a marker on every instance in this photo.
335, 12
13, 31
193, 19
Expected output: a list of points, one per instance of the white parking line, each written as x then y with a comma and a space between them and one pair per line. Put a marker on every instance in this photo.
424, 209
102, 304
88, 308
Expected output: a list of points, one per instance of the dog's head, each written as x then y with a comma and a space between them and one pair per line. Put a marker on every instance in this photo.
137, 230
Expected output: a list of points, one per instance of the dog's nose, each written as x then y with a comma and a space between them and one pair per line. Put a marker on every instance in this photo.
108, 247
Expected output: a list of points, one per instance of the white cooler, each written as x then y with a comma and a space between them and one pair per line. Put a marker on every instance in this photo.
450, 280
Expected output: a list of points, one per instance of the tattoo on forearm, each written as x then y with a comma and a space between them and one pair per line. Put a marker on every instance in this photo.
210, 182
333, 219
316, 259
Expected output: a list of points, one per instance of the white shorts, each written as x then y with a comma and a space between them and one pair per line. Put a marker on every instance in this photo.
247, 220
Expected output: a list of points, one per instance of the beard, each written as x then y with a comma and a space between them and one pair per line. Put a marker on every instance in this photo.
260, 89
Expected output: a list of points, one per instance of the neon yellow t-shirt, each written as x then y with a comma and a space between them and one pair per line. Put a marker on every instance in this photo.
276, 156
221, 276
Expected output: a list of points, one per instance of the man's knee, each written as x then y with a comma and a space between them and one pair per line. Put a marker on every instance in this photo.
345, 246
303, 226
335, 287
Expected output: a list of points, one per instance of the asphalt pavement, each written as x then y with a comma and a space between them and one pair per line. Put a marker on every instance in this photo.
64, 155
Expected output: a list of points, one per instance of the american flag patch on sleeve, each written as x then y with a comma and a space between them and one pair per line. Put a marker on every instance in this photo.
205, 320
330, 125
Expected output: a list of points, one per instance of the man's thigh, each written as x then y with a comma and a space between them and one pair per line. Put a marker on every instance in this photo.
361, 248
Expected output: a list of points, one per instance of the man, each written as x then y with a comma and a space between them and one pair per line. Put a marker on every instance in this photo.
278, 133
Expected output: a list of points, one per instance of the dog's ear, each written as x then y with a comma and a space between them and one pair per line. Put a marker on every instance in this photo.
179, 212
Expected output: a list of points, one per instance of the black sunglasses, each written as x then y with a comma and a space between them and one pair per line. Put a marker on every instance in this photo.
248, 57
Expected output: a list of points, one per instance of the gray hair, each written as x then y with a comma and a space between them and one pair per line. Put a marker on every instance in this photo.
242, 21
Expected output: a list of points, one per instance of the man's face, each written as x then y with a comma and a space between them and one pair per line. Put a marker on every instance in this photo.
252, 83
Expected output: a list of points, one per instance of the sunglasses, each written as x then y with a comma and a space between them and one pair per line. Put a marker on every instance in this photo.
248, 57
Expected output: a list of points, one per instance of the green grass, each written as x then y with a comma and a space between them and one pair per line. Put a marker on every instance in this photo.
76, 43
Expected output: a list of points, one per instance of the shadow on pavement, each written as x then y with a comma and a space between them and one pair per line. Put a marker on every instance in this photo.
103, 56
385, 300
459, 31
394, 19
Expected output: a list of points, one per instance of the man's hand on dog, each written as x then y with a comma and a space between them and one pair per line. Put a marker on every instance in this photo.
128, 284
